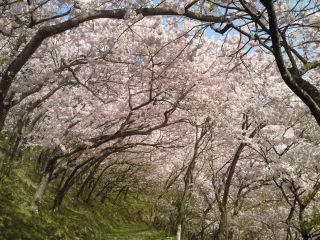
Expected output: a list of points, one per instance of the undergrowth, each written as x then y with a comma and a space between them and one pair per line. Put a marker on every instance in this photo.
74, 220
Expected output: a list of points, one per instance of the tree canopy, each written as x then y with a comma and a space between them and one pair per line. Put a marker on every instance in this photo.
209, 108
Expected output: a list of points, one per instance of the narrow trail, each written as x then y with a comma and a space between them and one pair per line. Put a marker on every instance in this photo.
136, 232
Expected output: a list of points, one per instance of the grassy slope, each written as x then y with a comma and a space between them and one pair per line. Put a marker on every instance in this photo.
135, 232
73, 221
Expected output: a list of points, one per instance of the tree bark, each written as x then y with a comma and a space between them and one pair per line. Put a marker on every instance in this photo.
36, 202
179, 230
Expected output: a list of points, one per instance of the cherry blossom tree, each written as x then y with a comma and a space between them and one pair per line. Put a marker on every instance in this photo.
186, 102
276, 30
115, 91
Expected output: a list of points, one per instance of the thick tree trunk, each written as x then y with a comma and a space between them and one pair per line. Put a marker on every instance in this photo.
36, 202
3, 111
222, 232
179, 231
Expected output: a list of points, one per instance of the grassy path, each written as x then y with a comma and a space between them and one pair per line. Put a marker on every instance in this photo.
136, 232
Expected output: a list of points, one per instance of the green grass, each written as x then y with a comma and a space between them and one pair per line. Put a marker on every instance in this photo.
110, 221
135, 232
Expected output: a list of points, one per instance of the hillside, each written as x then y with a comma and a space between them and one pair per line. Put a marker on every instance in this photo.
75, 220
